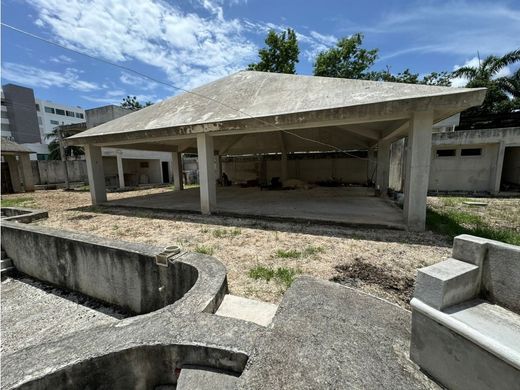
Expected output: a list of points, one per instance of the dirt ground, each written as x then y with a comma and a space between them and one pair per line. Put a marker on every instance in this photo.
382, 262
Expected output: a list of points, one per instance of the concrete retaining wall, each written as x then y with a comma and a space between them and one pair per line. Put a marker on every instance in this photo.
53, 171
122, 274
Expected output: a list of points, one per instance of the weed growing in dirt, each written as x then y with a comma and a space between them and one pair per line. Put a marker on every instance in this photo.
281, 275
222, 233
205, 250
288, 254
312, 250
16, 202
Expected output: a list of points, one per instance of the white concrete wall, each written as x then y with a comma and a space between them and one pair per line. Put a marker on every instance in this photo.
464, 173
135, 173
350, 170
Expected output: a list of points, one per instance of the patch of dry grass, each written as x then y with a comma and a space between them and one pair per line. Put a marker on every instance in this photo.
322, 248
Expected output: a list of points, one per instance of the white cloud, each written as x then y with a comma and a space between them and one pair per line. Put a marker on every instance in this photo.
116, 97
459, 27
42, 78
62, 59
137, 81
474, 63
155, 33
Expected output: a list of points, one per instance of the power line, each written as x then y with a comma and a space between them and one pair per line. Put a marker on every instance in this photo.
143, 75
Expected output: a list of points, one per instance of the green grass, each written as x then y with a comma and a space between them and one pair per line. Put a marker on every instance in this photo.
288, 254
205, 250
16, 202
295, 254
455, 222
222, 233
281, 275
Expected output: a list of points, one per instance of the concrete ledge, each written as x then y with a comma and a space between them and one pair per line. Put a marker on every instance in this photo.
23, 215
119, 273
456, 361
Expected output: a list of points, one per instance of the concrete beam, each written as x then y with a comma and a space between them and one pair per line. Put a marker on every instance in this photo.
208, 190
177, 171
383, 165
418, 170
96, 174
120, 171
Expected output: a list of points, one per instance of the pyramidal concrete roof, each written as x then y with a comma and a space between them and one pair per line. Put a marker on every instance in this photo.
9, 146
248, 94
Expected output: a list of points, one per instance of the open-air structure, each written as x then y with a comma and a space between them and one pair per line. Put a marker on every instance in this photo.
255, 113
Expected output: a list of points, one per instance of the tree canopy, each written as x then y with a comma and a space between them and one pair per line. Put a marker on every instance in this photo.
131, 103
347, 60
280, 54
54, 145
503, 93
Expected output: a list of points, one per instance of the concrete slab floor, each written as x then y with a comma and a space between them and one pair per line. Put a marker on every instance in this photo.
32, 314
337, 205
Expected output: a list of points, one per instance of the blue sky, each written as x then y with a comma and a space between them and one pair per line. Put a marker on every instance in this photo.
189, 43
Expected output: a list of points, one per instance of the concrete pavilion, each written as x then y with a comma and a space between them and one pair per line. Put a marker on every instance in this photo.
250, 112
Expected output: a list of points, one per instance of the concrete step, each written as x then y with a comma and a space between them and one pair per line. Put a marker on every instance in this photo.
205, 379
260, 313
6, 263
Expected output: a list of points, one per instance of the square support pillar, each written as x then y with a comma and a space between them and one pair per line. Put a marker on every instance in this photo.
96, 174
14, 172
283, 167
177, 171
120, 171
218, 166
27, 175
208, 188
497, 178
383, 166
418, 170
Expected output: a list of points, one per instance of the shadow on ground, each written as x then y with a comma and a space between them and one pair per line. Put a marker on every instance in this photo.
308, 227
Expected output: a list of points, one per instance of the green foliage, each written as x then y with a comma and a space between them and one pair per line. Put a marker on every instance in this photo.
288, 254
499, 89
455, 222
131, 103
14, 202
222, 233
349, 60
346, 60
54, 145
281, 275
312, 250
280, 54
205, 250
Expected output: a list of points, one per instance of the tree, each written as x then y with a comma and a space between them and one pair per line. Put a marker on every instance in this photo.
346, 60
131, 103
499, 98
54, 145
433, 78
280, 54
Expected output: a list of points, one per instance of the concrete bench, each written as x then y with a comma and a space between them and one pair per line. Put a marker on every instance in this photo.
466, 316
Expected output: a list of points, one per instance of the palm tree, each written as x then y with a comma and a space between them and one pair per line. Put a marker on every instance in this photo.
54, 146
500, 96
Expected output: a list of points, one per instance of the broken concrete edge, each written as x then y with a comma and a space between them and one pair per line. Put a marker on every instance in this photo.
22, 215
133, 350
191, 283
501, 351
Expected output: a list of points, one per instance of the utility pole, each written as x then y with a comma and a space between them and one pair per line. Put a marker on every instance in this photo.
63, 159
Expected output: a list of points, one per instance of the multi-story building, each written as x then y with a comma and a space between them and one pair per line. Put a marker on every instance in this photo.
29, 121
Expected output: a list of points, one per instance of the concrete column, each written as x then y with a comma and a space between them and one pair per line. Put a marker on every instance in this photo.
283, 167
208, 190
14, 172
177, 171
27, 175
218, 166
497, 178
120, 171
372, 165
383, 166
96, 174
418, 170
